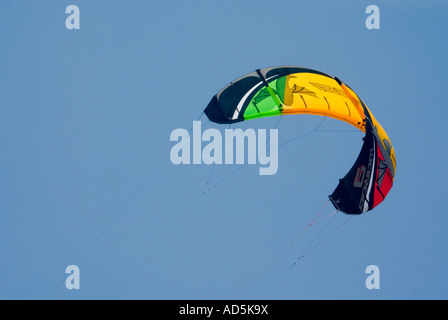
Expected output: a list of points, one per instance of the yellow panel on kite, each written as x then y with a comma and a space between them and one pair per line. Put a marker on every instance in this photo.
317, 94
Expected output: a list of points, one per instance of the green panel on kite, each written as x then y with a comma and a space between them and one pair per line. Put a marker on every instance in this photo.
266, 102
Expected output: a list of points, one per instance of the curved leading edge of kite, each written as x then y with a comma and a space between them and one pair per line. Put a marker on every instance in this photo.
294, 90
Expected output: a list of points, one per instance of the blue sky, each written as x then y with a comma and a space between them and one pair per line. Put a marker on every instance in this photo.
85, 121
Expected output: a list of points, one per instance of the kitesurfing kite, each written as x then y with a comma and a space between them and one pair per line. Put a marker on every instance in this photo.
289, 90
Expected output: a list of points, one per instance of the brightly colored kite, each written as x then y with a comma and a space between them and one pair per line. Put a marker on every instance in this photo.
294, 90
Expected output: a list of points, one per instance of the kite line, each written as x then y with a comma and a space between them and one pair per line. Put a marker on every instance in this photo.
121, 212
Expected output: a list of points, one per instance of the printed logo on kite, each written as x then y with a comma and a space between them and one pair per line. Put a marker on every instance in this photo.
287, 90
359, 178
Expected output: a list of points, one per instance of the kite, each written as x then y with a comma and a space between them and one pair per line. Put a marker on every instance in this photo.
288, 90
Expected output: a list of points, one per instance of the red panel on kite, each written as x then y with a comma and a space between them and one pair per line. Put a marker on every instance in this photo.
384, 180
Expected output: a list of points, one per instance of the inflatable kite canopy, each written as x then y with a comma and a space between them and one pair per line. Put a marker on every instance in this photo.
294, 90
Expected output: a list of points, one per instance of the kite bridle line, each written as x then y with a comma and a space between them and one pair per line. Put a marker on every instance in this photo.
310, 249
312, 223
